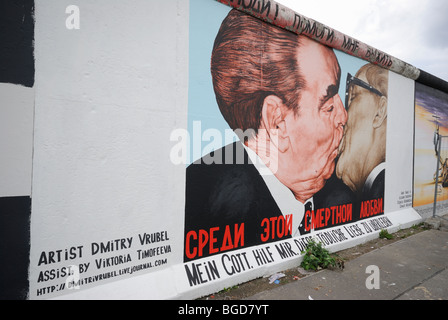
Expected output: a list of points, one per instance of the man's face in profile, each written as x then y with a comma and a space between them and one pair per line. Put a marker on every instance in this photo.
317, 129
357, 142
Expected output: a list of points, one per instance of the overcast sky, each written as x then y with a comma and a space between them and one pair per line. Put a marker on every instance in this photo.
415, 31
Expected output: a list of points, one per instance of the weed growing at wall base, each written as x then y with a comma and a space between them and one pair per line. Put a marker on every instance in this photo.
384, 234
316, 257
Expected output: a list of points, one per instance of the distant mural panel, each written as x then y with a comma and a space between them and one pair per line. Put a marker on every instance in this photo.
431, 118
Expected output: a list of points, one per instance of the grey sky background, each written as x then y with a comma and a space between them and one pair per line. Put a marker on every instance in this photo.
415, 31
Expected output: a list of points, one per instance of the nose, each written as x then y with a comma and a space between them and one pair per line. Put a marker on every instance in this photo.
341, 114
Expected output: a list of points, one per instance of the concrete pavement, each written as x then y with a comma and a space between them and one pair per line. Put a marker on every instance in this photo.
415, 268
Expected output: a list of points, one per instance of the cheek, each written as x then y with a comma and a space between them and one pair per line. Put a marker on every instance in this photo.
354, 123
355, 140
325, 134
314, 136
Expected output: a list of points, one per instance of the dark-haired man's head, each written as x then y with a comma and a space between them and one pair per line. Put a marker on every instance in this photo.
283, 88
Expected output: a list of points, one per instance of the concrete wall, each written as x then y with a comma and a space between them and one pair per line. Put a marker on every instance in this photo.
99, 141
109, 95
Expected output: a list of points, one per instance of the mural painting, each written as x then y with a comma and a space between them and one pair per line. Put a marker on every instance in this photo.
309, 148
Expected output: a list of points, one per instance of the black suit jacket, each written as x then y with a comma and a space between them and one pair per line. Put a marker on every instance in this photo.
376, 191
222, 193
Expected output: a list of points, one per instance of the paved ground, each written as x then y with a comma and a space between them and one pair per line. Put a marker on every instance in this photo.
415, 268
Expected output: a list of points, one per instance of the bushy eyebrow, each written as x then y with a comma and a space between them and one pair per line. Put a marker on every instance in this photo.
332, 90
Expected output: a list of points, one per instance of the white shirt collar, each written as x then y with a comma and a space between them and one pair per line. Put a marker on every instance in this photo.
282, 195
372, 176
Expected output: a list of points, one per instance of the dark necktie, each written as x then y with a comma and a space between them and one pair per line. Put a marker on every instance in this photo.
308, 207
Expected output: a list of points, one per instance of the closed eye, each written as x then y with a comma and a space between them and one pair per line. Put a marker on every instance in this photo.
332, 90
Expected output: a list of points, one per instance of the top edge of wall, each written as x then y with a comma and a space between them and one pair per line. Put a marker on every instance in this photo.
279, 15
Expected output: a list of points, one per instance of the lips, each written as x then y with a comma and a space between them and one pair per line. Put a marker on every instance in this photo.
341, 149
341, 146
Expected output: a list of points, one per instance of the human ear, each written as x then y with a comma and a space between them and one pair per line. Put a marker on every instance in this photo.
274, 123
381, 113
